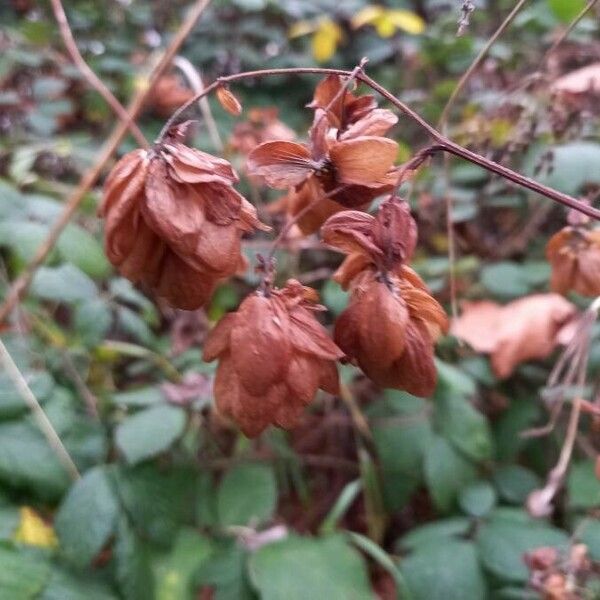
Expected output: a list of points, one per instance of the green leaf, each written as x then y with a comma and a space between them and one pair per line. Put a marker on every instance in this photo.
87, 517
68, 586
401, 433
446, 473
444, 570
92, 320
462, 425
133, 573
506, 538
130, 322
247, 495
149, 432
587, 531
225, 572
23, 574
566, 10
477, 499
23, 237
514, 483
140, 397
453, 381
438, 531
334, 297
505, 280
583, 486
28, 462
300, 568
11, 403
174, 571
63, 284
82, 249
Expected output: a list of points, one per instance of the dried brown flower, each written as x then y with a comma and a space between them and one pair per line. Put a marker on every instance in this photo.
263, 125
348, 159
167, 95
174, 222
228, 101
391, 324
574, 254
273, 357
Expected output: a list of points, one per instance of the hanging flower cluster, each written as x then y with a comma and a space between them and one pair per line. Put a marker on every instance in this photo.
174, 221
347, 163
273, 357
390, 327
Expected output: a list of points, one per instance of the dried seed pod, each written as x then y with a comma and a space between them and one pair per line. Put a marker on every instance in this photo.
228, 101
174, 221
273, 357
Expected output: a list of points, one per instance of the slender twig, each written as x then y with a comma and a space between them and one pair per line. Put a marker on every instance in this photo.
22, 283
197, 84
478, 60
90, 76
38, 413
445, 144
565, 34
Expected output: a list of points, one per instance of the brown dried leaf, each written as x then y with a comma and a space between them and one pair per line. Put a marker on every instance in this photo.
364, 160
522, 330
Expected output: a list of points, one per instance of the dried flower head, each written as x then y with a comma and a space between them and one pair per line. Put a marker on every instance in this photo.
391, 324
263, 125
347, 162
574, 254
273, 357
174, 222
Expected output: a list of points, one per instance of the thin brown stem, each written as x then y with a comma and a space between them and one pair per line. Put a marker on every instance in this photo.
90, 76
38, 413
22, 283
444, 144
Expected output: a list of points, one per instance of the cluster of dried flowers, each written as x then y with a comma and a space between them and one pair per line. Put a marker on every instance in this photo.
174, 223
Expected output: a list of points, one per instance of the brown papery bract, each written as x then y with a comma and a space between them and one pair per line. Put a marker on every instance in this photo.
523, 330
273, 357
347, 163
174, 222
574, 254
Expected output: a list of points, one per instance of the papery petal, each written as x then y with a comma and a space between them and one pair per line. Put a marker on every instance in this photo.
125, 182
326, 91
190, 165
249, 220
395, 232
260, 343
144, 258
222, 204
318, 136
281, 164
308, 336
288, 414
350, 231
346, 331
328, 377
363, 160
302, 378
353, 265
376, 123
217, 341
217, 247
426, 308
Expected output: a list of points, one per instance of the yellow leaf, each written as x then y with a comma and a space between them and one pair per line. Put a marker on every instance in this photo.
407, 21
326, 39
34, 531
384, 26
300, 28
368, 14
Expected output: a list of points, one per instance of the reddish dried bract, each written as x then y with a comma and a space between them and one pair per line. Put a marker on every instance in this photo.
174, 222
347, 163
273, 357
391, 324
574, 254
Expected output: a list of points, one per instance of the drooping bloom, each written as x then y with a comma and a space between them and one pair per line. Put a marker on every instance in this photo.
174, 221
574, 254
347, 163
273, 357
392, 322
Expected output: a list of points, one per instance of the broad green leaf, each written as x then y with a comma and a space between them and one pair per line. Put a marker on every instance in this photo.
503, 541
514, 483
300, 568
149, 432
83, 250
587, 531
446, 473
505, 280
437, 531
64, 585
92, 320
583, 486
140, 397
11, 403
444, 570
477, 499
87, 517
22, 574
247, 495
174, 571
566, 10
63, 284
133, 573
